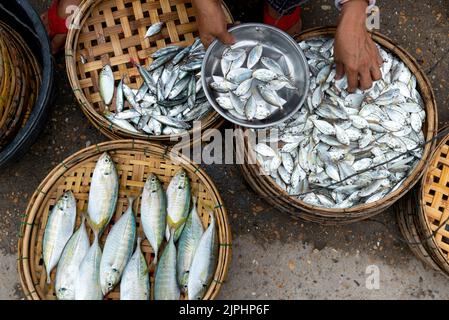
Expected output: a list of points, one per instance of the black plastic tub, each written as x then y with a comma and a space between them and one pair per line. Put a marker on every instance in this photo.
24, 19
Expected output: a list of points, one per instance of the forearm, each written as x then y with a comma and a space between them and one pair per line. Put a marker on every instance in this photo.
354, 11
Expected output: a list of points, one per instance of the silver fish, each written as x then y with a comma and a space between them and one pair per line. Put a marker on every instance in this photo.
203, 263
69, 264
178, 200
87, 283
166, 283
154, 29
254, 56
188, 242
117, 249
154, 212
103, 193
58, 230
135, 284
106, 84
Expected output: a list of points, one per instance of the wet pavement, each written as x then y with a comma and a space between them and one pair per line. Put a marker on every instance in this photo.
274, 256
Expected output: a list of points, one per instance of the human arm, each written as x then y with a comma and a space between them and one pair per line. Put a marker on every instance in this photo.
212, 22
355, 53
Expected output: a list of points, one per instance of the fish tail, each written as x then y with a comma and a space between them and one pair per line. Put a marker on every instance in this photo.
91, 224
174, 225
49, 277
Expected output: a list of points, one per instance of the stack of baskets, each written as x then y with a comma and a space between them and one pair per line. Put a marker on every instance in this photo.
113, 32
267, 188
135, 161
20, 80
423, 216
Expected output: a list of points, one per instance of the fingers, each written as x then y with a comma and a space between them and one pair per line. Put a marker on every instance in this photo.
340, 71
226, 38
376, 74
365, 79
353, 80
206, 40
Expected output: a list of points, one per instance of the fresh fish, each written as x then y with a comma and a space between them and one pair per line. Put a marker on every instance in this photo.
69, 264
203, 263
154, 29
254, 56
154, 213
120, 122
119, 98
188, 242
103, 193
118, 249
87, 283
178, 200
135, 284
351, 138
166, 282
58, 230
106, 84
239, 75
272, 65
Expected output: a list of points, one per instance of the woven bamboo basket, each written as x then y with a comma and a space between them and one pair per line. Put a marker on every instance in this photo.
20, 77
407, 210
434, 206
266, 187
112, 31
134, 160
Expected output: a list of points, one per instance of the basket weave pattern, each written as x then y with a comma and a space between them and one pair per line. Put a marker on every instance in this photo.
435, 197
134, 161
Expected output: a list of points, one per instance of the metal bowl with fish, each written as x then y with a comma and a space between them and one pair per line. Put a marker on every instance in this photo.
259, 81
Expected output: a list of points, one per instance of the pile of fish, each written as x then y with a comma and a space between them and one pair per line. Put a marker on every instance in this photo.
87, 272
250, 84
326, 153
170, 98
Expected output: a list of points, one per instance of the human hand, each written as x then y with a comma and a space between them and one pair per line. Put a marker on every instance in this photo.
355, 53
212, 22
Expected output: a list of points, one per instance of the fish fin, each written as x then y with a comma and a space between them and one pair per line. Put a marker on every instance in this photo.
49, 277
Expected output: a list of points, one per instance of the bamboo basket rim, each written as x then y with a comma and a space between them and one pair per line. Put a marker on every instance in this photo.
32, 78
406, 213
85, 9
131, 145
431, 124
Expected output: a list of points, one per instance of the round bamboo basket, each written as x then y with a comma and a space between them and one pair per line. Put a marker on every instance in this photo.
434, 205
112, 32
20, 78
134, 160
406, 210
266, 187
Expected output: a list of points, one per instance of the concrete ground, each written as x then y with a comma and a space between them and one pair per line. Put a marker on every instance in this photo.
274, 256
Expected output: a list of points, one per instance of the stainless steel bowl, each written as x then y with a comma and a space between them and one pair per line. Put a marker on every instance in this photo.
279, 46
